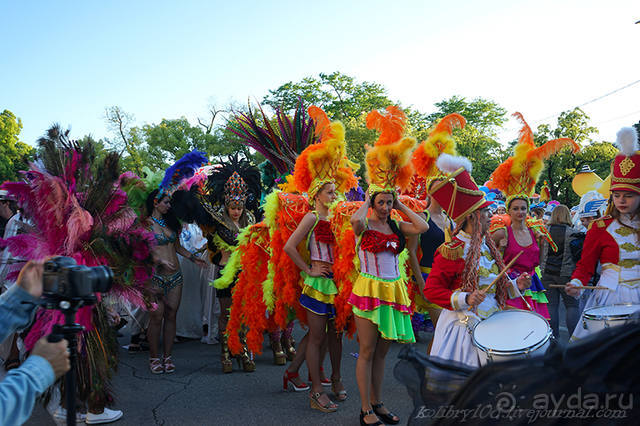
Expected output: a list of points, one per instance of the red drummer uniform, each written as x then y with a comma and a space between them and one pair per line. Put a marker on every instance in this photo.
614, 242
599, 247
445, 276
615, 247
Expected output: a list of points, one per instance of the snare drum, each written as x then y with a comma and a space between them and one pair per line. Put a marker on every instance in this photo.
601, 317
511, 334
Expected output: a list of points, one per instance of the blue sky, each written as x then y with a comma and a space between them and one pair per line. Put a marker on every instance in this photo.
66, 61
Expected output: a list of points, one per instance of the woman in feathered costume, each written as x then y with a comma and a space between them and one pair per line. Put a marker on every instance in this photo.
167, 280
78, 209
320, 171
280, 141
379, 298
224, 204
515, 233
440, 141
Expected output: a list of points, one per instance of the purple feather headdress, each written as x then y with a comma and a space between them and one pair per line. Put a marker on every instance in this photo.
280, 144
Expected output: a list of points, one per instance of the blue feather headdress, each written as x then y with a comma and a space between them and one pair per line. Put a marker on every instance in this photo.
182, 169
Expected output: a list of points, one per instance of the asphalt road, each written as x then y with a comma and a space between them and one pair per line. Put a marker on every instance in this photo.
198, 393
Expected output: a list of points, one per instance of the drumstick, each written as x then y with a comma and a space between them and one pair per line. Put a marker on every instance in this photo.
506, 268
495, 280
580, 287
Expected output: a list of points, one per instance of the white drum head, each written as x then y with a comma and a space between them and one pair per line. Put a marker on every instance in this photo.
511, 330
610, 311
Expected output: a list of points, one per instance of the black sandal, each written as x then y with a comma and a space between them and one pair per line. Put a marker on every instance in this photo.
388, 418
364, 414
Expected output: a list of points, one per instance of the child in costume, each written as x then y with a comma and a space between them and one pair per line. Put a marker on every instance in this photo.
424, 159
464, 266
379, 297
517, 233
614, 239
321, 170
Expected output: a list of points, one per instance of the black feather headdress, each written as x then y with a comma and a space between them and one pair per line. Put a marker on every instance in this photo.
235, 181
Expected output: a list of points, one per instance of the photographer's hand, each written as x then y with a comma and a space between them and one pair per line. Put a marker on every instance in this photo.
55, 353
30, 278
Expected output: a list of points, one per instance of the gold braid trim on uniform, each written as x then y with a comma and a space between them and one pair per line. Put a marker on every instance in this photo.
452, 251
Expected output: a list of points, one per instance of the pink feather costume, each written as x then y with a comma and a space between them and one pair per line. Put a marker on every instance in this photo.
113, 235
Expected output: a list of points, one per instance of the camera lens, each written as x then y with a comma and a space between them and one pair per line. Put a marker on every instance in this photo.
102, 278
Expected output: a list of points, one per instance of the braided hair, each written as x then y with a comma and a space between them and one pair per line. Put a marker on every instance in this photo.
470, 271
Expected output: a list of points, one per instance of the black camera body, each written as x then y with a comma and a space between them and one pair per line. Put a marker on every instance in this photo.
64, 279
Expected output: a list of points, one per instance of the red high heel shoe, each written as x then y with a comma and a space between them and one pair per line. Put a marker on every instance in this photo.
286, 381
323, 382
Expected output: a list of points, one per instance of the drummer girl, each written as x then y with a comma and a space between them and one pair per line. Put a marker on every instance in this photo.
614, 239
465, 278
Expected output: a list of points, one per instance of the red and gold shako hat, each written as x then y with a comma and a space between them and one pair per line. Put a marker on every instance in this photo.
625, 173
456, 191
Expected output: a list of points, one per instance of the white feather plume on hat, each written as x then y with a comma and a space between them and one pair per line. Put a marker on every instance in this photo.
627, 140
449, 163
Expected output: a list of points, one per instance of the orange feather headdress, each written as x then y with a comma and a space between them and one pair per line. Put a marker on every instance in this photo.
439, 141
388, 161
325, 161
518, 175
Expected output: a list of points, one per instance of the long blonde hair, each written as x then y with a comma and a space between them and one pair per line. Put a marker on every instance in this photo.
560, 216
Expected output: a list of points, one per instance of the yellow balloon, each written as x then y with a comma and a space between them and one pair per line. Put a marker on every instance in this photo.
605, 187
585, 182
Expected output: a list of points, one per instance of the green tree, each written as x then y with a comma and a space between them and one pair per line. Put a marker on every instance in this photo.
562, 167
343, 98
167, 141
159, 145
478, 140
119, 122
483, 114
339, 95
14, 154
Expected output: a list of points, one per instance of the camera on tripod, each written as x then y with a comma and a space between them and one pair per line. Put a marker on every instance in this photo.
64, 279
67, 287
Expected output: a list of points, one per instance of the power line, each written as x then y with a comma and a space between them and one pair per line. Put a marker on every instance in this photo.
621, 116
592, 100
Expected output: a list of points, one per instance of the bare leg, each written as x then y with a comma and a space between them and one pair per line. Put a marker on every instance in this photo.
324, 347
172, 303
295, 365
317, 333
368, 337
335, 354
300, 355
155, 324
377, 372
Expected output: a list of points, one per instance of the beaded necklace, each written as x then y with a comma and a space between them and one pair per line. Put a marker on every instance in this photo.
160, 222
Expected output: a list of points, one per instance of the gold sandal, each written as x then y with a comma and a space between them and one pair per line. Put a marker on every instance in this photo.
314, 402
